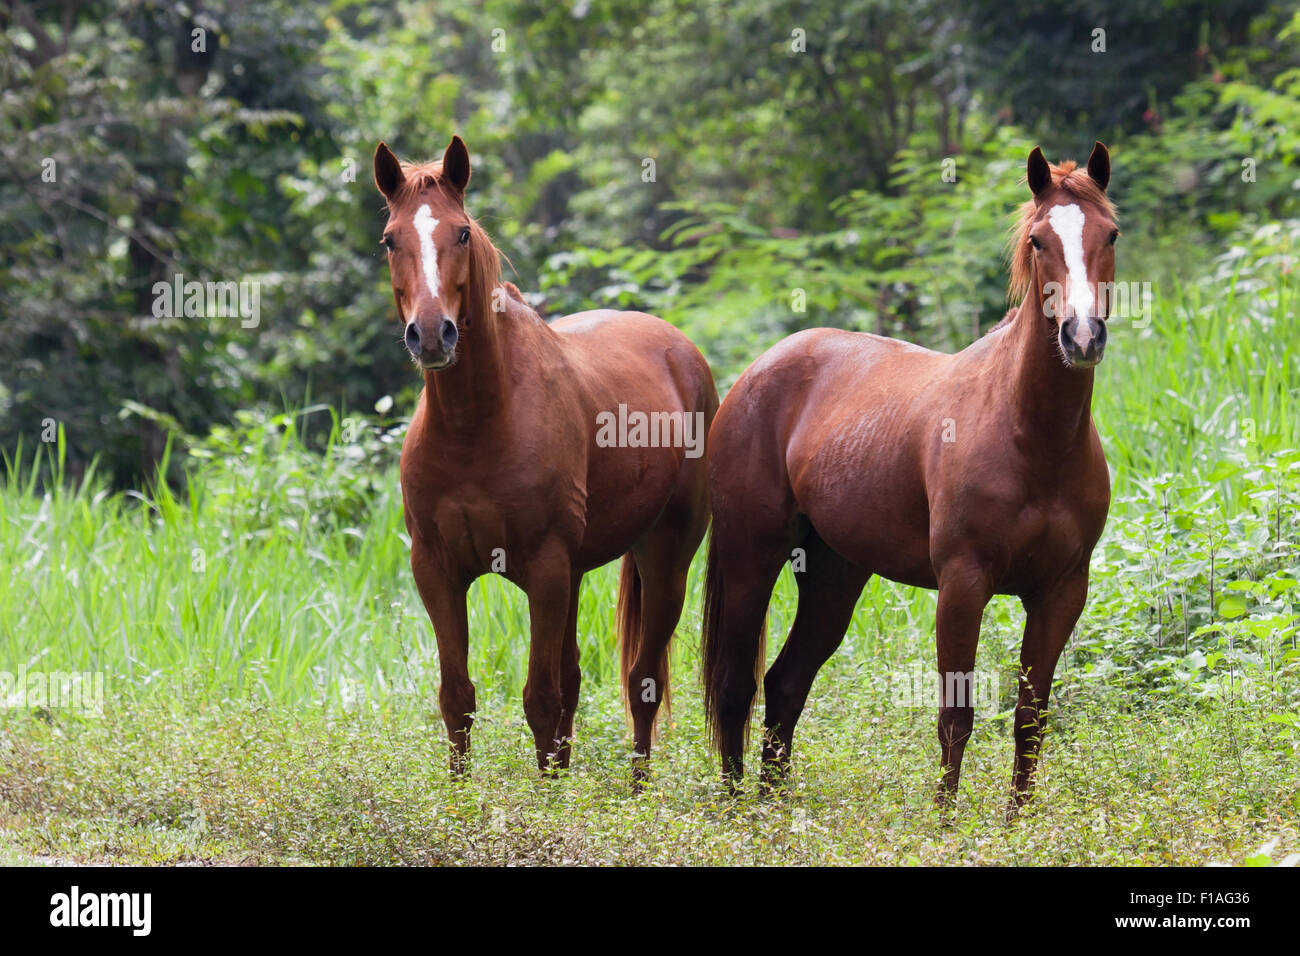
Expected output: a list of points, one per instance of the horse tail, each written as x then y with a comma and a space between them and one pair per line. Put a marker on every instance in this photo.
630, 635
715, 656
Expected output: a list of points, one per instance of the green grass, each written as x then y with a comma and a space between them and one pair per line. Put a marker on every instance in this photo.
271, 676
244, 783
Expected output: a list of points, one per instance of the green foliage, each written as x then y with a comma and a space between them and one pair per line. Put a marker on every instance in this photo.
1047, 66
921, 261
796, 146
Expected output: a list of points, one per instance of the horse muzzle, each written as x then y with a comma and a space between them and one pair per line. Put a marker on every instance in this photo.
432, 351
1083, 341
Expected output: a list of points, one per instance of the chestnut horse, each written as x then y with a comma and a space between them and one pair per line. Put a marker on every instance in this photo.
508, 466
975, 474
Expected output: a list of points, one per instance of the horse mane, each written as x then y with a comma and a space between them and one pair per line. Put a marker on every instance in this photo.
1078, 183
417, 177
1004, 321
484, 258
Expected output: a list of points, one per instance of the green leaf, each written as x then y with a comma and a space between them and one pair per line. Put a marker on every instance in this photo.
1224, 469
1233, 605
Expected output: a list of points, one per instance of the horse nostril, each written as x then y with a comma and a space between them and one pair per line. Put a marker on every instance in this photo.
413, 337
448, 333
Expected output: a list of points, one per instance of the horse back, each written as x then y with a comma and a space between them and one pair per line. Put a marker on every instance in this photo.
633, 357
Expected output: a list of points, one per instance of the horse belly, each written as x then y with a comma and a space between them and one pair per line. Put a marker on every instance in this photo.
859, 482
879, 530
627, 491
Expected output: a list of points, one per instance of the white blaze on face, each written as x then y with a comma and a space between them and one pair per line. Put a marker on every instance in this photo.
424, 225
1067, 223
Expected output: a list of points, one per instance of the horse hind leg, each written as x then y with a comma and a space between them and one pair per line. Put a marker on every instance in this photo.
829, 587
738, 588
756, 523
652, 592
660, 595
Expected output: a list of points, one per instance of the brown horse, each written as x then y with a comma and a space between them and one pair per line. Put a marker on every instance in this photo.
975, 474
512, 463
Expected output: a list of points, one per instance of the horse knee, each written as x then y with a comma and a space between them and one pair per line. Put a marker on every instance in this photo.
955, 726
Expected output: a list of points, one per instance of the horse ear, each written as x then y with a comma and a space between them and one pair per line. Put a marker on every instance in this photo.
1038, 173
455, 163
1099, 164
388, 172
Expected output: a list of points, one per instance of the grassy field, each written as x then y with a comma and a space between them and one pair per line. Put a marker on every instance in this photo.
242, 783
270, 676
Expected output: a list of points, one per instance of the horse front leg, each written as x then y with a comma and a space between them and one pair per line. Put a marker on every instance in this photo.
1049, 620
964, 590
444, 600
548, 583
570, 677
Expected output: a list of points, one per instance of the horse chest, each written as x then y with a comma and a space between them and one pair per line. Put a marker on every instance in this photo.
1049, 537
481, 527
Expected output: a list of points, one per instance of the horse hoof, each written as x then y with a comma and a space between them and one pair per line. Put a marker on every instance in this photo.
1015, 805
640, 773
945, 803
774, 781
731, 784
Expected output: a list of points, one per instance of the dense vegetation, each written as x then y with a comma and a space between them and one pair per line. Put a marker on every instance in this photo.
795, 146
270, 672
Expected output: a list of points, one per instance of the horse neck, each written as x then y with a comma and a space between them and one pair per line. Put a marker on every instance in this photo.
1052, 401
472, 392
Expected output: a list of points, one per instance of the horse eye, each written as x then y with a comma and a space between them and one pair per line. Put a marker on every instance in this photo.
464, 235
387, 242
1113, 236
1033, 241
